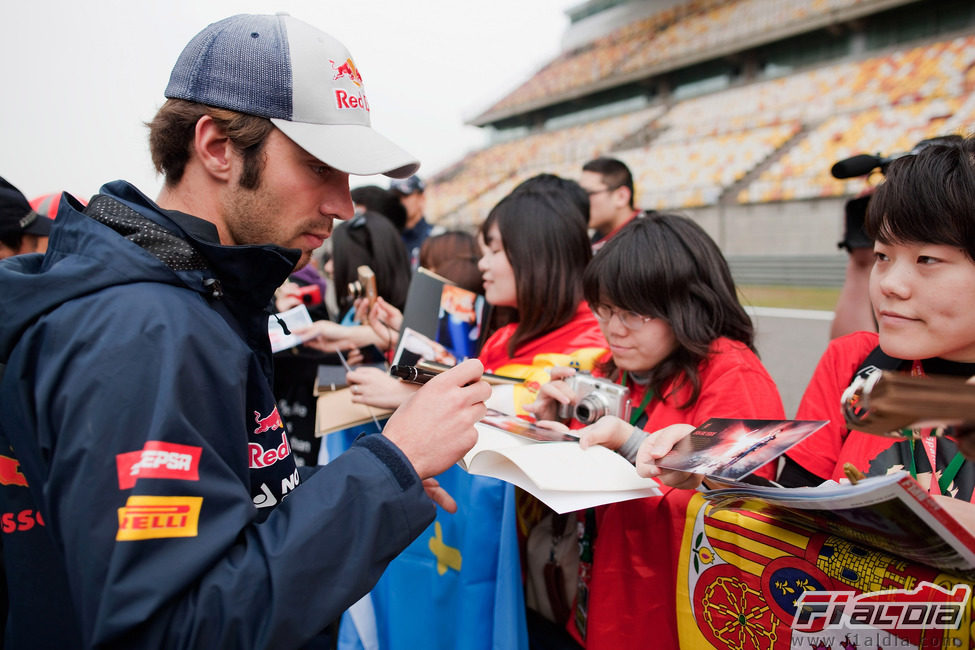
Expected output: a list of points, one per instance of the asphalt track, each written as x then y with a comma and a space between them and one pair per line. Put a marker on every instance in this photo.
790, 342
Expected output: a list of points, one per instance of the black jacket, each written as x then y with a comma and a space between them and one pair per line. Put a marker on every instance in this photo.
149, 495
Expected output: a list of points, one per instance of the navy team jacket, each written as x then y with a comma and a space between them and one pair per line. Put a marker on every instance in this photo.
148, 495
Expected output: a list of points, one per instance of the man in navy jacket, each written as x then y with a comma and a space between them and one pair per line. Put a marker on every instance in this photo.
149, 494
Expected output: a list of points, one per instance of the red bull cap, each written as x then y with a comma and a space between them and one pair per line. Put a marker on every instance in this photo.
300, 78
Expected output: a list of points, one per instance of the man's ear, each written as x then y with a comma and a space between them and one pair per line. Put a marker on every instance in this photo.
214, 150
622, 196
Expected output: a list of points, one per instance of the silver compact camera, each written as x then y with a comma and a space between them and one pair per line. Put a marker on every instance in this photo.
597, 397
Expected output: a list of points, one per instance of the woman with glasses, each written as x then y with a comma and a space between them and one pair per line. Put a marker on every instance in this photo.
682, 344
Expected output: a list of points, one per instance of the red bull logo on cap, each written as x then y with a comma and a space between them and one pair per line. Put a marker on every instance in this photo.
346, 70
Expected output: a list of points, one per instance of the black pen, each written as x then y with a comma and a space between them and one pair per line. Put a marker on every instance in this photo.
412, 374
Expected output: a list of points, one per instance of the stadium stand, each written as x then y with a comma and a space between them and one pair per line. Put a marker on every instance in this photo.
742, 106
669, 35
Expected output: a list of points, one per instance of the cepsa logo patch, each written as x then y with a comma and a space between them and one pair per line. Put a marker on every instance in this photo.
158, 459
146, 517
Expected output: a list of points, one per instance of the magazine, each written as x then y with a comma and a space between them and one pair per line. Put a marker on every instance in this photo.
552, 466
734, 448
441, 321
890, 513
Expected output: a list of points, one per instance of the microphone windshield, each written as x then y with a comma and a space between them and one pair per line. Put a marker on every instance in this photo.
858, 165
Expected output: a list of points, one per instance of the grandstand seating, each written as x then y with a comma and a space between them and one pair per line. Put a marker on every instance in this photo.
694, 172
486, 169
804, 171
766, 141
669, 35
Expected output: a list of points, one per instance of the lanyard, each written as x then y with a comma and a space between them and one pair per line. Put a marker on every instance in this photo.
635, 415
930, 444
587, 538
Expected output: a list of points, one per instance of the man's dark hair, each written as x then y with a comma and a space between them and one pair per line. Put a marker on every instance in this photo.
12, 240
666, 266
615, 173
545, 239
172, 130
927, 196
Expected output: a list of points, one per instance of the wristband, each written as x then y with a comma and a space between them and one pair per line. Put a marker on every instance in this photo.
632, 445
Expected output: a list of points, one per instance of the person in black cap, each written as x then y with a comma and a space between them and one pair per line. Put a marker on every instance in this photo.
417, 228
152, 491
21, 229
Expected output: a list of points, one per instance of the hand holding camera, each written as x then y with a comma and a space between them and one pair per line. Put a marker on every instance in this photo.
580, 396
596, 397
364, 287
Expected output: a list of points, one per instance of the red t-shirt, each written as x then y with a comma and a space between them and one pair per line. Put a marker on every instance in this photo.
825, 452
632, 600
820, 453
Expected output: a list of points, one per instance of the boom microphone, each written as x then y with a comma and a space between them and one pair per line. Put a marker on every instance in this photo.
858, 165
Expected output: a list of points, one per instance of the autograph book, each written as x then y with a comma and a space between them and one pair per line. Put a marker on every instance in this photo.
551, 465
441, 321
335, 409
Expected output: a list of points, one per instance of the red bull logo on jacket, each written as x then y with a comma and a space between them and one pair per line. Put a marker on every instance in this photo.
260, 457
271, 422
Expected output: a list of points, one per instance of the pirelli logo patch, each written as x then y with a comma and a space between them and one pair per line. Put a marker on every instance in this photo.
146, 517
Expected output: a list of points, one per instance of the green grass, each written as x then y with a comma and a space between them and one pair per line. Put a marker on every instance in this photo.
823, 298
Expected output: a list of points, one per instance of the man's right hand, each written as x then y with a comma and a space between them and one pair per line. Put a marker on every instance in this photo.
435, 427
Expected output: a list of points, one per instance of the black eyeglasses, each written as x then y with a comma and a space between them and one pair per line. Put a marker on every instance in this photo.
629, 319
607, 189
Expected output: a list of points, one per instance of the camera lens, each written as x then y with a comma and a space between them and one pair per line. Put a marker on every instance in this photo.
589, 409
